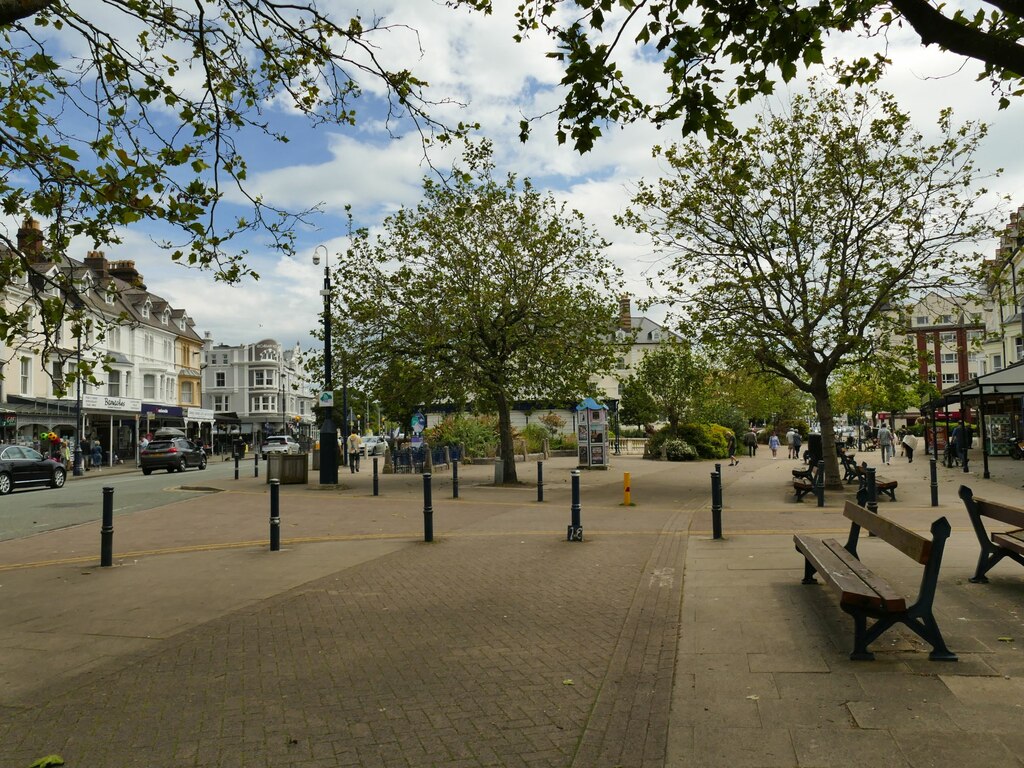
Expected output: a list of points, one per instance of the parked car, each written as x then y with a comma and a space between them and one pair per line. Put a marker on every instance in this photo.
174, 455
279, 444
21, 466
374, 445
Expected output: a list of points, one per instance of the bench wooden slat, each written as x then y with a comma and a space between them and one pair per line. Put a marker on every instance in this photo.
889, 599
1010, 540
915, 547
837, 572
1001, 512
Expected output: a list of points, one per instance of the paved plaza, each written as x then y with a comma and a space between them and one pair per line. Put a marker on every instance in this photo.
648, 644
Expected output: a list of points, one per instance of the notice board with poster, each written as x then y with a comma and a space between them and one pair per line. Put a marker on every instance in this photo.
592, 432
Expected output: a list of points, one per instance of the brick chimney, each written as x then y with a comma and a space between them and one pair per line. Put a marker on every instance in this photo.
126, 271
30, 240
625, 314
97, 262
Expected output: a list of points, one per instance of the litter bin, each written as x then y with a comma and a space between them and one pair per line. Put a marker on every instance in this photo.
288, 468
814, 451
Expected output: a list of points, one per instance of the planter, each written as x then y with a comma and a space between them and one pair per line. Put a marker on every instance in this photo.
288, 468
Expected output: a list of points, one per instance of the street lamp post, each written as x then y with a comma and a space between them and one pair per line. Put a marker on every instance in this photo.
76, 467
328, 432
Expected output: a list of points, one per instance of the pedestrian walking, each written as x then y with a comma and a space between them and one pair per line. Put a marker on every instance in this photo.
353, 444
97, 454
750, 440
961, 442
773, 443
730, 447
909, 443
789, 442
884, 437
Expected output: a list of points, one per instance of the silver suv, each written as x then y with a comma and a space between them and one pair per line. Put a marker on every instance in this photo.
279, 444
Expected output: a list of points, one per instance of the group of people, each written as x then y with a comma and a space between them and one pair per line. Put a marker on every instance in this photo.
793, 439
887, 442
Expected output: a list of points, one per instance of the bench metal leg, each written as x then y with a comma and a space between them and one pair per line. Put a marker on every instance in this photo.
808, 573
860, 638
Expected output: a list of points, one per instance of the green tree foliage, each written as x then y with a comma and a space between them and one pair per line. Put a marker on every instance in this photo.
702, 44
790, 242
637, 405
674, 376
492, 290
123, 111
886, 383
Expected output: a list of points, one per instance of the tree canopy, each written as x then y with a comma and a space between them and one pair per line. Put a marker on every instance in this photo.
489, 288
701, 44
126, 111
798, 243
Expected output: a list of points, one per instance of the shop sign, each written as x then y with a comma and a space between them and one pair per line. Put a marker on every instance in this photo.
199, 414
107, 403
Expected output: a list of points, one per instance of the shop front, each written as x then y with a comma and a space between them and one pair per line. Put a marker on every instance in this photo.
155, 415
114, 422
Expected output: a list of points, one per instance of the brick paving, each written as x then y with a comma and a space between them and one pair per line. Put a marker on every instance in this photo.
500, 644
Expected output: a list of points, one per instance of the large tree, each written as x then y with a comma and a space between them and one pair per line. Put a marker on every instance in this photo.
701, 44
123, 111
792, 243
493, 290
675, 375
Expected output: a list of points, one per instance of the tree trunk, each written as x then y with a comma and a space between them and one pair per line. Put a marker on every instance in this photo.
823, 406
508, 453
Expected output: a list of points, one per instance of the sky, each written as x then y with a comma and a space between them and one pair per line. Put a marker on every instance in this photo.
473, 58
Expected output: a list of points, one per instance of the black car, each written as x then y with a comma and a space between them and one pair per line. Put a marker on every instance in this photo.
175, 455
21, 466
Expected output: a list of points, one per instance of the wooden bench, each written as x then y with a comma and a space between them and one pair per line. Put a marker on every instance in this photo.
999, 544
864, 595
882, 485
804, 481
849, 468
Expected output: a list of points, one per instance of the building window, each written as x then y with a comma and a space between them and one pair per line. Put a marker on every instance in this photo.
997, 362
262, 378
220, 378
114, 338
148, 344
57, 376
951, 378
186, 391
946, 320
947, 338
1018, 345
149, 386
26, 375
114, 384
921, 320
168, 350
224, 359
220, 403
949, 357
264, 403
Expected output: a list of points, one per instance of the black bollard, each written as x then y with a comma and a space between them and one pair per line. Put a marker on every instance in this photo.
935, 482
455, 478
107, 528
428, 510
275, 515
575, 532
236, 466
716, 505
820, 483
872, 491
718, 468
540, 481
256, 464
376, 485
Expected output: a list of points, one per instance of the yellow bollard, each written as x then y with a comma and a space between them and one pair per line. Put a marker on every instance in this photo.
625, 490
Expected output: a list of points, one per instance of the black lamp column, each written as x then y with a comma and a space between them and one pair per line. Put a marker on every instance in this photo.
328, 432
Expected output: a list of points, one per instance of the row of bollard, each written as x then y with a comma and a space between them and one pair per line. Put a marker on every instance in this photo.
575, 532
